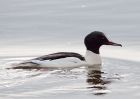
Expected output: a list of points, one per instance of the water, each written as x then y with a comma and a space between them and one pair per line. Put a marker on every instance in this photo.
30, 28
117, 78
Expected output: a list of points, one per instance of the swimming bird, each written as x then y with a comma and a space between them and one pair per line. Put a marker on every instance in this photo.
92, 41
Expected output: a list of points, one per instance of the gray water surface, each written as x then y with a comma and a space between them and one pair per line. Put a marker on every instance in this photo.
116, 79
33, 28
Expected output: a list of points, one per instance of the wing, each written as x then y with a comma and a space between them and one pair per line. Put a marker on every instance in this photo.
60, 55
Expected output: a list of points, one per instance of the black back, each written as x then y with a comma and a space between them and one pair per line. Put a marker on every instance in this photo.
60, 55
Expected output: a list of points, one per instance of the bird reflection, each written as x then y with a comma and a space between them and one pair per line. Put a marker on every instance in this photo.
95, 79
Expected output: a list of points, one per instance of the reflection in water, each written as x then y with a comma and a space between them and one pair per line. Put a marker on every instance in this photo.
94, 78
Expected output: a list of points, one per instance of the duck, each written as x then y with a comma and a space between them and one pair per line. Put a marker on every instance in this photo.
93, 42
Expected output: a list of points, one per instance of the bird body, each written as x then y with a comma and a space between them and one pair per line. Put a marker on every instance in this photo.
92, 41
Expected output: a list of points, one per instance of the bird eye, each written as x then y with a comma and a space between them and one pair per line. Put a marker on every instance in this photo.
102, 38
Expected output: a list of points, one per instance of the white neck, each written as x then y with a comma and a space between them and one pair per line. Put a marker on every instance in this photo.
92, 58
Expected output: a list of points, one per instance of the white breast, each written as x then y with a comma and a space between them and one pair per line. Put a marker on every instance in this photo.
92, 58
63, 62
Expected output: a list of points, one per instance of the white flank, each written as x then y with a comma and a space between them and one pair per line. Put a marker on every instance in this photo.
63, 62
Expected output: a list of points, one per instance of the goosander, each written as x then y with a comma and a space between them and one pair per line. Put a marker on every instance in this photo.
92, 41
